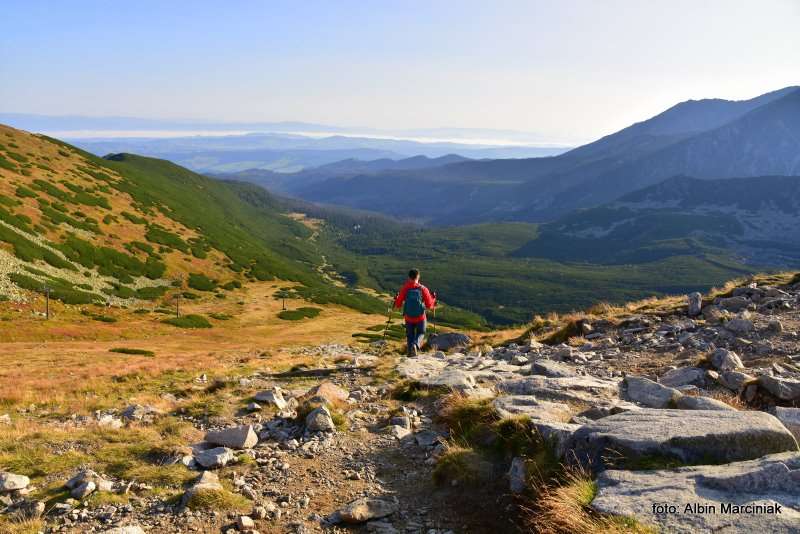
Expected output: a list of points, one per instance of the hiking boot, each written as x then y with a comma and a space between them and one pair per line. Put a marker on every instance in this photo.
412, 351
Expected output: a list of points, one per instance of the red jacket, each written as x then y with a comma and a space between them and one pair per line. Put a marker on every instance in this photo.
427, 299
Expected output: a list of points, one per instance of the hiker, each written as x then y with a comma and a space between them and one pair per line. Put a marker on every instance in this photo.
414, 298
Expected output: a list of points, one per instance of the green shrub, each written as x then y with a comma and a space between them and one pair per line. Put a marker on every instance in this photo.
201, 282
220, 316
161, 236
299, 313
24, 192
233, 284
151, 293
188, 321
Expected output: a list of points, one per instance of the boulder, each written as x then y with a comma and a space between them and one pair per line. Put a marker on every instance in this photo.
735, 380
11, 482
529, 406
787, 389
320, 420
688, 402
83, 490
518, 475
365, 509
216, 457
552, 369
683, 376
709, 498
327, 392
688, 436
790, 417
272, 397
694, 303
137, 412
649, 393
740, 325
450, 340
725, 360
734, 304
238, 437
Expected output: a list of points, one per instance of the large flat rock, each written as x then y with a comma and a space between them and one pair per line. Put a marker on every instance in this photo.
580, 389
698, 495
653, 436
531, 407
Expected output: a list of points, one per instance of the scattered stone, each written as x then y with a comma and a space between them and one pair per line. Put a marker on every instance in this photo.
273, 397
366, 508
518, 475
320, 420
130, 529
688, 402
245, 522
240, 437
552, 369
725, 360
740, 325
327, 392
137, 412
5, 419
683, 376
216, 457
109, 421
775, 326
695, 303
450, 340
83, 490
652, 394
11, 482
787, 389
735, 380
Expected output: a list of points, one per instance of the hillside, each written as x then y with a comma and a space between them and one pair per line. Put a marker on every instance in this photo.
705, 139
127, 228
754, 219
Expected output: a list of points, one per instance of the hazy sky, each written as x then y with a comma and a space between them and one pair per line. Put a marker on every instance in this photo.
569, 69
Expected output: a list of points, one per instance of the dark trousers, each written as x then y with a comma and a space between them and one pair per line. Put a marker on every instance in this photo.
415, 332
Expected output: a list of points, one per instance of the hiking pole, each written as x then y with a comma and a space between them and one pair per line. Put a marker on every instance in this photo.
435, 297
389, 319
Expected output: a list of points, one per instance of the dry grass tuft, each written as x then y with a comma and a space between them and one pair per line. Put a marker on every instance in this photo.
563, 507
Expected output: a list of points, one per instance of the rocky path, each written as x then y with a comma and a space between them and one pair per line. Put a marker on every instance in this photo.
696, 406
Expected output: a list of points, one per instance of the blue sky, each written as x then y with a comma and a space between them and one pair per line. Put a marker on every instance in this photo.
566, 68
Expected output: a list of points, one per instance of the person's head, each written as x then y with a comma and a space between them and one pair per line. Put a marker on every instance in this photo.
413, 274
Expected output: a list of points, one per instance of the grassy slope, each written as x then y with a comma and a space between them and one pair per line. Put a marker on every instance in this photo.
71, 216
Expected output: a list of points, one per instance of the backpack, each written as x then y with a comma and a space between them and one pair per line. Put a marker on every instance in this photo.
413, 305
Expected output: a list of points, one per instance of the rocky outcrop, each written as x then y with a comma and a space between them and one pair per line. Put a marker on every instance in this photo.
448, 341
687, 436
736, 497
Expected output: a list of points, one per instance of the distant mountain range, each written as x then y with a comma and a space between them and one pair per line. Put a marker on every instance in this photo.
706, 139
206, 146
290, 182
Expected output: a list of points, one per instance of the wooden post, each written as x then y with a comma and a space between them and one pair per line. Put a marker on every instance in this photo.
284, 303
